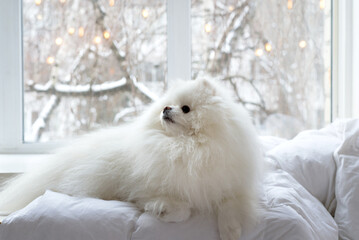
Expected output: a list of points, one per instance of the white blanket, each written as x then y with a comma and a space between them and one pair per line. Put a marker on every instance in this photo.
297, 194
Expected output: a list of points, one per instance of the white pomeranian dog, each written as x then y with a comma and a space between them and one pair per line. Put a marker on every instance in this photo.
193, 150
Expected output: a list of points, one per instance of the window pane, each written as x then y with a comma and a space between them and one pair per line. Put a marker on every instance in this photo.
274, 55
90, 63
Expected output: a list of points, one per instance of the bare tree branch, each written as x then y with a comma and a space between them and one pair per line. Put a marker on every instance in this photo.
40, 124
261, 105
79, 90
95, 89
119, 116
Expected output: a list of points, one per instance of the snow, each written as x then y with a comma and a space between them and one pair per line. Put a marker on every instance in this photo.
44, 116
142, 88
81, 89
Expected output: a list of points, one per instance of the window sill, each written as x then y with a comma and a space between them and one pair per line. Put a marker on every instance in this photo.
19, 163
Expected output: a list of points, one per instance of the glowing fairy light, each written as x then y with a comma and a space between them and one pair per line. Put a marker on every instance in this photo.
62, 1
111, 3
97, 40
322, 4
71, 30
290, 4
50, 60
38, 2
258, 52
268, 47
145, 13
39, 17
230, 8
59, 41
81, 31
302, 44
207, 27
106, 35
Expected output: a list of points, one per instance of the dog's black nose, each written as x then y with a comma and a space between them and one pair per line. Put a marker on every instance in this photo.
166, 109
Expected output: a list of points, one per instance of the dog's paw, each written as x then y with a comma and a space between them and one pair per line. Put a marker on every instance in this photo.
229, 221
168, 211
229, 231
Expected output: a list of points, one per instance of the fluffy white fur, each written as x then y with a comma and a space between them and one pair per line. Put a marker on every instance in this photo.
206, 160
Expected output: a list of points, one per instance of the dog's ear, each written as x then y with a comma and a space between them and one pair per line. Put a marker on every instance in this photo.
208, 86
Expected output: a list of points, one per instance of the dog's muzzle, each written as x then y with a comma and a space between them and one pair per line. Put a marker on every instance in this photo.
166, 114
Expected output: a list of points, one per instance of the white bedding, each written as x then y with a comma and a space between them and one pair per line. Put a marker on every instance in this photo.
290, 213
309, 159
297, 194
347, 182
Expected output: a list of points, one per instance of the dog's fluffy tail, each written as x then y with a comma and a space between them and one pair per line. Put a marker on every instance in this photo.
19, 191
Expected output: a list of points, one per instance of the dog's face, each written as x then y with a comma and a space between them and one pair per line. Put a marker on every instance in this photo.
190, 108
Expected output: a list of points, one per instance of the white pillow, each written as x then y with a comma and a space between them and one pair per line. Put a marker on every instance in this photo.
309, 159
347, 182
56, 216
270, 142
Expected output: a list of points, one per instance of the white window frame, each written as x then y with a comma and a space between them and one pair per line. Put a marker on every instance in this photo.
345, 97
345, 59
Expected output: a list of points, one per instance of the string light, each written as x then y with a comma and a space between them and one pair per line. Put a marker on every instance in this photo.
144, 13
81, 31
302, 44
290, 4
97, 40
106, 34
59, 41
268, 47
322, 4
50, 60
230, 8
71, 30
38, 2
62, 1
258, 52
111, 3
39, 17
207, 27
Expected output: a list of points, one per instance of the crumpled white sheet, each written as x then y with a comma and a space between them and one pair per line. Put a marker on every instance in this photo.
309, 159
290, 212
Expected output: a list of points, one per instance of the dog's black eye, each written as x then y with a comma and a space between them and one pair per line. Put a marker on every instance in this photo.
185, 109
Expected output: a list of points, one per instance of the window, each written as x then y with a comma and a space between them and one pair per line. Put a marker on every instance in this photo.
274, 55
89, 64
68, 67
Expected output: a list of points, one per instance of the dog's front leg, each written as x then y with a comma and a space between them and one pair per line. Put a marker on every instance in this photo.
166, 209
233, 214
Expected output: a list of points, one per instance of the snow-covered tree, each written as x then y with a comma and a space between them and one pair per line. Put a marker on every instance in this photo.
92, 63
